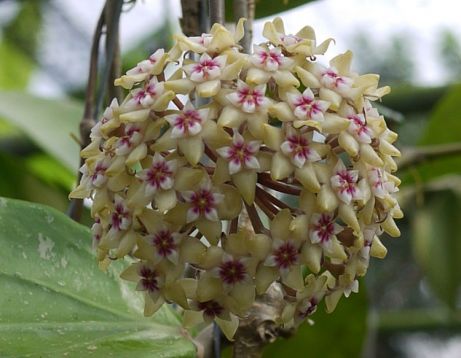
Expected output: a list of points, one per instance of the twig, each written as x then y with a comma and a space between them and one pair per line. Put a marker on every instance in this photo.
116, 69
249, 23
216, 11
109, 17
216, 340
113, 10
191, 17
245, 9
240, 9
88, 120
416, 156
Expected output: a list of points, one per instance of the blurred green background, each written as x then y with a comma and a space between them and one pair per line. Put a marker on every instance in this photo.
411, 306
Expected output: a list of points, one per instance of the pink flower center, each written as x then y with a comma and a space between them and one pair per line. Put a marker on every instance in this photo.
335, 79
187, 119
210, 308
240, 152
158, 173
346, 182
304, 101
99, 173
360, 127
250, 96
131, 135
232, 271
299, 146
149, 279
96, 230
325, 228
205, 66
379, 182
164, 243
271, 56
310, 309
202, 201
120, 218
286, 255
149, 90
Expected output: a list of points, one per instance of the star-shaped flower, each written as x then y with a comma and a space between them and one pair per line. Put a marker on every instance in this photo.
240, 154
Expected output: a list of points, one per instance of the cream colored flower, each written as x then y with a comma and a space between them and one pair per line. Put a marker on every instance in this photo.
283, 177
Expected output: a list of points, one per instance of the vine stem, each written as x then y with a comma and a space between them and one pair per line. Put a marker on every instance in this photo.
94, 97
216, 10
88, 119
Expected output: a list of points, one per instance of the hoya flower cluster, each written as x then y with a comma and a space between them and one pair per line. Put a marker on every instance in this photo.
222, 173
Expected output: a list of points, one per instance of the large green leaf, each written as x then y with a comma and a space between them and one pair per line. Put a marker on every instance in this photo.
47, 122
264, 8
336, 335
56, 302
437, 243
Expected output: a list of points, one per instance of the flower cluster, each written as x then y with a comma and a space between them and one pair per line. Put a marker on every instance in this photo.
222, 173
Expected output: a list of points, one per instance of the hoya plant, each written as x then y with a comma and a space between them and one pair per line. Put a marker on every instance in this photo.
236, 186
223, 174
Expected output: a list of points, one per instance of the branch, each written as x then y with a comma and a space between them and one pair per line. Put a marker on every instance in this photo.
415, 156
116, 68
109, 17
88, 120
216, 11
191, 17
113, 10
245, 9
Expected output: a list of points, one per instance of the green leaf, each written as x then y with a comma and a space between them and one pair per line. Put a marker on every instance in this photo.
50, 171
336, 335
49, 123
56, 302
15, 67
264, 8
21, 183
437, 243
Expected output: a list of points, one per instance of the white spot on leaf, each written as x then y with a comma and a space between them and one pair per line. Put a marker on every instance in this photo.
49, 218
45, 247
